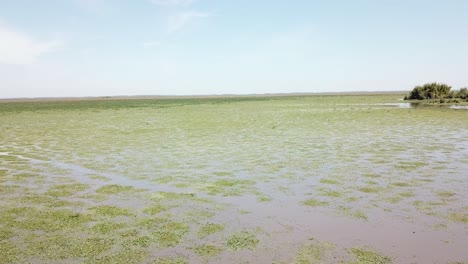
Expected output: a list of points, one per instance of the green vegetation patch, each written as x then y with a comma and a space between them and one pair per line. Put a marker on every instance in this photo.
407, 165
348, 211
49, 220
170, 234
242, 240
114, 189
313, 254
155, 209
9, 252
60, 247
65, 190
329, 181
112, 211
330, 193
445, 194
207, 250
369, 189
170, 260
122, 256
209, 229
460, 217
228, 187
107, 227
367, 256
314, 202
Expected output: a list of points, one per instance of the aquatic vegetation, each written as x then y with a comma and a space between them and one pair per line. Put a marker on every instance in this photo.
170, 260
313, 253
242, 240
64, 190
314, 202
114, 188
207, 250
112, 211
329, 181
330, 193
209, 229
155, 209
367, 256
107, 227
159, 178
460, 217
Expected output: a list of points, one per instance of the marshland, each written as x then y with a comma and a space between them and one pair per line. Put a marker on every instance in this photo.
257, 179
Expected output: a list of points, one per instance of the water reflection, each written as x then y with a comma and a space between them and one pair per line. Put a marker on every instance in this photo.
422, 105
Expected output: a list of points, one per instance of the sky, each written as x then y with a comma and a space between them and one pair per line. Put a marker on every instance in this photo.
58, 48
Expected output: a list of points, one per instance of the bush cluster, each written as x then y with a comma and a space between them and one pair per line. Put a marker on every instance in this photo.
437, 91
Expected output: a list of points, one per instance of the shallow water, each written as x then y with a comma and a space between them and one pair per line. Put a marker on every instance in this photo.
389, 179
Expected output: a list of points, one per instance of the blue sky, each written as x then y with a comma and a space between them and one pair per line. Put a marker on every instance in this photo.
175, 47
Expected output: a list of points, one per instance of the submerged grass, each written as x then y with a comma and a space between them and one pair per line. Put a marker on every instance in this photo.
313, 253
242, 240
209, 229
367, 256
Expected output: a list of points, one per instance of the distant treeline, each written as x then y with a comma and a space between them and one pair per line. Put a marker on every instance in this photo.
438, 91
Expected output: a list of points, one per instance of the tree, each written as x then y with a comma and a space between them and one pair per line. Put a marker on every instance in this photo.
430, 91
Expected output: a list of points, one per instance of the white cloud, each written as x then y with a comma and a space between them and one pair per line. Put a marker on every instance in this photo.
182, 19
19, 48
172, 2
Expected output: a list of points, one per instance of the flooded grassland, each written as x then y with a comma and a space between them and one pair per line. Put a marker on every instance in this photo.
313, 179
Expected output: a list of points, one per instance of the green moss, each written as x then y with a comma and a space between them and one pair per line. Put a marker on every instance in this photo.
114, 189
366, 256
170, 260
207, 250
314, 202
112, 211
313, 254
209, 229
242, 240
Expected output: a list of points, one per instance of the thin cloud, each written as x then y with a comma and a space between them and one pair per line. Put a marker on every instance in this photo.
20, 49
182, 19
